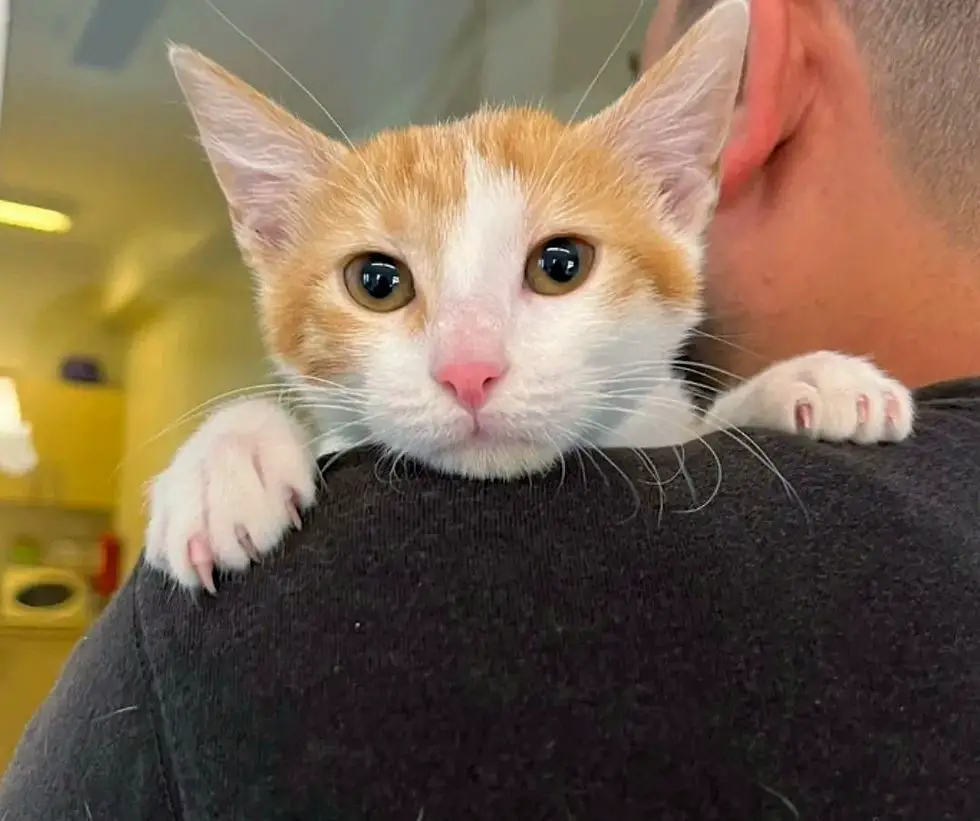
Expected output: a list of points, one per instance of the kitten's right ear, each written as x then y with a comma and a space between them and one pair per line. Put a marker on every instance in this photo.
265, 159
671, 126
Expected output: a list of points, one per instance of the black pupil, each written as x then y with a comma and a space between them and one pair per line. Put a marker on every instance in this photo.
379, 276
560, 260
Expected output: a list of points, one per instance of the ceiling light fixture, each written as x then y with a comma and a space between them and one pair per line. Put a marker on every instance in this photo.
21, 215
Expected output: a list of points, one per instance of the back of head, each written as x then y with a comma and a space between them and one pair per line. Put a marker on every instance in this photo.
923, 66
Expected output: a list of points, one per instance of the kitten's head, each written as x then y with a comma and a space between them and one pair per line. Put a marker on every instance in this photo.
493, 291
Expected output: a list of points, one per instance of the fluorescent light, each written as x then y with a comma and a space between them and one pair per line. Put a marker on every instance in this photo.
21, 215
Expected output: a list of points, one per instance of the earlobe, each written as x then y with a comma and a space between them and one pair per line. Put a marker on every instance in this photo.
770, 96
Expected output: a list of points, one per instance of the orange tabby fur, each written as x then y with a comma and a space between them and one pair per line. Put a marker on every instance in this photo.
416, 179
462, 207
537, 284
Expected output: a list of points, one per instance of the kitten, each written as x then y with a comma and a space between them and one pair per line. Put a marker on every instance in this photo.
482, 296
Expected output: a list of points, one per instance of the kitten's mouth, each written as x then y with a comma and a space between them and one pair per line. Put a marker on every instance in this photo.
491, 449
481, 434
484, 434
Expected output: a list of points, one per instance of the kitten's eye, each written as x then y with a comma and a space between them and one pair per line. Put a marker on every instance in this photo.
379, 282
558, 265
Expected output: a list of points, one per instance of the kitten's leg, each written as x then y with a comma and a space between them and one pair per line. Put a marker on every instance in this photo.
230, 494
824, 395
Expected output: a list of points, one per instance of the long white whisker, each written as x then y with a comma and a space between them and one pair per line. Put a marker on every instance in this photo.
542, 179
722, 341
367, 440
661, 368
719, 474
561, 456
605, 63
263, 391
645, 459
334, 431
638, 503
251, 392
683, 471
315, 405
733, 432
317, 383
371, 177
278, 64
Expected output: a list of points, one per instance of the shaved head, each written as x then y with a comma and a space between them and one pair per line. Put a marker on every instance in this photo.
923, 64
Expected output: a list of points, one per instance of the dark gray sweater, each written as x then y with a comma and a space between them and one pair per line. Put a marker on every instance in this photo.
573, 647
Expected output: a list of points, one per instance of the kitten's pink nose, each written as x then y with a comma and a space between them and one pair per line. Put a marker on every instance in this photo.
471, 382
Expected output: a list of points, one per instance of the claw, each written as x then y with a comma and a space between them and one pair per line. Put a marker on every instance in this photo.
199, 553
804, 416
245, 540
293, 510
206, 574
862, 410
892, 409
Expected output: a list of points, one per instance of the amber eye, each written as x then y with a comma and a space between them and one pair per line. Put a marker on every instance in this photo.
379, 283
559, 265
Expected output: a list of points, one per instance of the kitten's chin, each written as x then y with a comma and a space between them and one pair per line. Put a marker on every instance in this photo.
481, 460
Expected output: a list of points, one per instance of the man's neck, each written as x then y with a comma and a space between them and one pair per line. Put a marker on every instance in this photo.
937, 336
928, 293
922, 326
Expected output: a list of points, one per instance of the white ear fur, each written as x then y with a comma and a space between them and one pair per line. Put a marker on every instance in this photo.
672, 125
263, 157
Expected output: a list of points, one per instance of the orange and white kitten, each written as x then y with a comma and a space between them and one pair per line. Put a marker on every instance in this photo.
482, 296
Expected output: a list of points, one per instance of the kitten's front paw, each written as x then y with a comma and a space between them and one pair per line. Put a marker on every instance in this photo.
230, 494
824, 395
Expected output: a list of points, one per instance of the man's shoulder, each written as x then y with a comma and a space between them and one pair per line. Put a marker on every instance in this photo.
962, 393
745, 530
733, 485
928, 482
94, 741
776, 543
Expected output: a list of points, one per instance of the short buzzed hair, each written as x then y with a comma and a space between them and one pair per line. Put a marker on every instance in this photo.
923, 63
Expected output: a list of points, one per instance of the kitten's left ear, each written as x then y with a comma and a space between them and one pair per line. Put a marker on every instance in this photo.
673, 123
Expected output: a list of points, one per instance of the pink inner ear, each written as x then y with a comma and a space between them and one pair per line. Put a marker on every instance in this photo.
260, 203
267, 229
689, 194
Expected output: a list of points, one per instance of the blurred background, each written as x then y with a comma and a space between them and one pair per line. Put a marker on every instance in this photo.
123, 303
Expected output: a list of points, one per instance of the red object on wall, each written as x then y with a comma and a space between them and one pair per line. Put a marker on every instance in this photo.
106, 580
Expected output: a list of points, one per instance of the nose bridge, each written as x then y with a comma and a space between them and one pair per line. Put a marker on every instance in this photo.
469, 329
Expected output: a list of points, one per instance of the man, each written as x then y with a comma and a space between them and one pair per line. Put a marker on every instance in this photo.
581, 646
850, 212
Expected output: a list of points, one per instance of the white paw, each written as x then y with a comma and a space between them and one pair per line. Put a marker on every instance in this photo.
230, 494
824, 395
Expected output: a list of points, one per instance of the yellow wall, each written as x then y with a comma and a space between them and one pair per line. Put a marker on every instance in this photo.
201, 342
48, 308
199, 345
